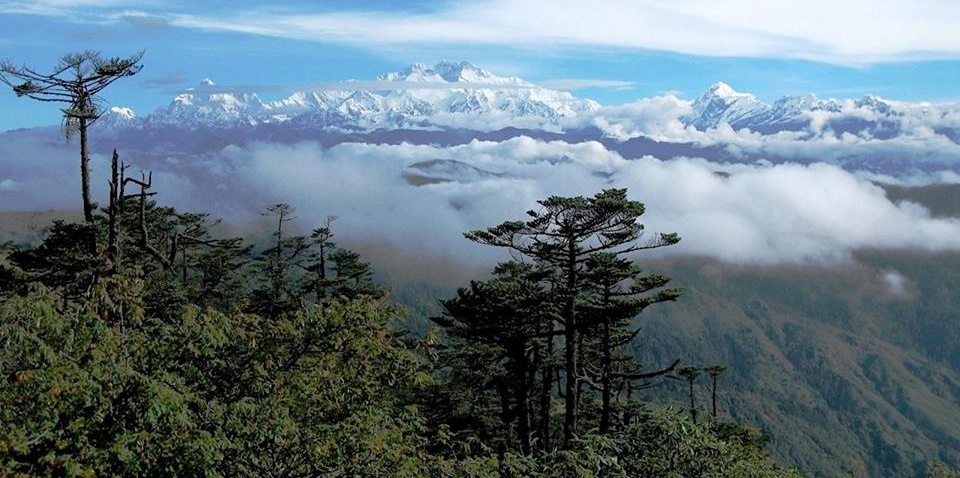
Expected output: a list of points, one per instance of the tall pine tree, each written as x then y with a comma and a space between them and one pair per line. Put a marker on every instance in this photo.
564, 234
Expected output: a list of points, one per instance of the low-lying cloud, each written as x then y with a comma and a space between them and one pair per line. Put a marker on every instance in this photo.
743, 213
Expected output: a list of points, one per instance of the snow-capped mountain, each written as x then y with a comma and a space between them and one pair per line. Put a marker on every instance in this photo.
446, 93
722, 104
460, 96
116, 118
871, 115
206, 106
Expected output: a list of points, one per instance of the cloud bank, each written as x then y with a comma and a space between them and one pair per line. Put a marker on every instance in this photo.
741, 213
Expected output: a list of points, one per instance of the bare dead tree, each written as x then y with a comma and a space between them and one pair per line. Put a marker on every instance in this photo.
145, 183
113, 213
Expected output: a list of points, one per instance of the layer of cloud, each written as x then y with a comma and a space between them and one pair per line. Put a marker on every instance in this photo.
657, 118
584, 83
743, 213
60, 8
855, 31
851, 32
751, 214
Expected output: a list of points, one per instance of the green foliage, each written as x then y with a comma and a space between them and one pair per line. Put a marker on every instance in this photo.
64, 261
654, 444
665, 444
207, 394
165, 360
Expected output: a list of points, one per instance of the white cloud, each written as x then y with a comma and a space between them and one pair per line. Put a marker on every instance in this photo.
657, 118
895, 282
752, 213
757, 214
856, 31
582, 83
62, 8
851, 32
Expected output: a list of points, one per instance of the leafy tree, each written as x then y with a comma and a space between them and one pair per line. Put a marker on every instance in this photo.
323, 392
564, 234
76, 81
665, 444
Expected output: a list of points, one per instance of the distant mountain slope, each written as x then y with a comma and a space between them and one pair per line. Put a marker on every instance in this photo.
847, 368
845, 371
28, 227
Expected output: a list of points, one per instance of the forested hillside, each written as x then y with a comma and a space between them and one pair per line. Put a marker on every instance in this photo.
839, 371
140, 344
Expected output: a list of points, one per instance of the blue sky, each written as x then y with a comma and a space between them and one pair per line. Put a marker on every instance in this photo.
608, 50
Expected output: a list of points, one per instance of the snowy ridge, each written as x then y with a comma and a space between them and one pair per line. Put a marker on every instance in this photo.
439, 94
463, 96
721, 104
116, 118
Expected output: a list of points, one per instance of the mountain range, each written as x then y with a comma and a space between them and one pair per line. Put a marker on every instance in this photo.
420, 95
462, 95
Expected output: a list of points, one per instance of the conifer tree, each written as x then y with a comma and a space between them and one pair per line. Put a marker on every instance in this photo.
322, 244
714, 371
618, 290
76, 81
354, 277
281, 262
507, 319
690, 374
564, 234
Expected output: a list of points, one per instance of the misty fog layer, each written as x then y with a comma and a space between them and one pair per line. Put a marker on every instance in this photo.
421, 198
